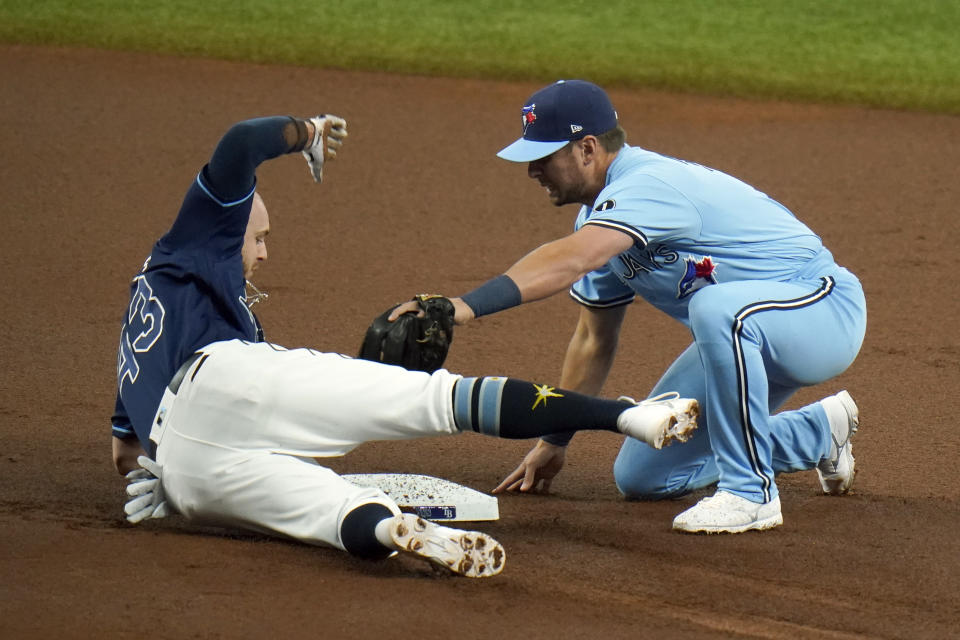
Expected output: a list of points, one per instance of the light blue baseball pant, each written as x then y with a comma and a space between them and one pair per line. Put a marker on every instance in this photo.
755, 344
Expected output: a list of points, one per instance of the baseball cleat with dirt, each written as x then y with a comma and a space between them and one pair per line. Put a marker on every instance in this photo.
466, 553
837, 470
660, 420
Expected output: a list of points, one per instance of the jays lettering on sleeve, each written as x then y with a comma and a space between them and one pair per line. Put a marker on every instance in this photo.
692, 226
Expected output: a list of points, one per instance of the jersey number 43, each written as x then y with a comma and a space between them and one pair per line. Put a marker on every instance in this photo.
142, 329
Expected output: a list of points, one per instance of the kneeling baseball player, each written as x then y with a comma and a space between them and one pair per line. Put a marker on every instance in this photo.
226, 427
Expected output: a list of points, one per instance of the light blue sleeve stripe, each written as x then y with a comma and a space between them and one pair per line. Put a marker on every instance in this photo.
217, 200
461, 404
122, 432
491, 392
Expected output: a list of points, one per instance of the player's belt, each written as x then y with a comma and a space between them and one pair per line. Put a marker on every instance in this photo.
181, 373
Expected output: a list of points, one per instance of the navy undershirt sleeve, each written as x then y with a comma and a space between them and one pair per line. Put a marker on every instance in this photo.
215, 210
231, 171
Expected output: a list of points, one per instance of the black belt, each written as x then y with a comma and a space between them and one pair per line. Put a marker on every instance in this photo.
181, 373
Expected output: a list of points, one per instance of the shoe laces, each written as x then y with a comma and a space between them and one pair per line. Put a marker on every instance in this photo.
663, 397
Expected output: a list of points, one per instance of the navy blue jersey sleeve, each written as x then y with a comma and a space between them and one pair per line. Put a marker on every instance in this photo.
230, 173
207, 224
215, 210
121, 426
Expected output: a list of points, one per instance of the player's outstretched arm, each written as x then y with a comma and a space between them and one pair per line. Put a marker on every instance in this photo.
229, 177
545, 271
554, 266
231, 172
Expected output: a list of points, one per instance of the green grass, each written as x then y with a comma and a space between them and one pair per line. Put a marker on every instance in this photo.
888, 53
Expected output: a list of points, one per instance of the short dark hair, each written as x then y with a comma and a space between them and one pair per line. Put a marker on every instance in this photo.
610, 141
613, 140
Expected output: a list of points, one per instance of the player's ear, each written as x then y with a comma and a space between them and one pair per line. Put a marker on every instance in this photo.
588, 148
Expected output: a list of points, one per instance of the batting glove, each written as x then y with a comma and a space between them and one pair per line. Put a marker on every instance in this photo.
146, 490
328, 136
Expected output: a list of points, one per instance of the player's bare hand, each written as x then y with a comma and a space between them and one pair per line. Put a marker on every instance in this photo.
329, 133
536, 472
125, 454
406, 307
462, 312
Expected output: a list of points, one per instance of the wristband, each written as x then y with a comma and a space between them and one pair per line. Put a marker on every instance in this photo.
493, 295
302, 138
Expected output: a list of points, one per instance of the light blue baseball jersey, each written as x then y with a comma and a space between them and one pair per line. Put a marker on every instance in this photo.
692, 226
769, 309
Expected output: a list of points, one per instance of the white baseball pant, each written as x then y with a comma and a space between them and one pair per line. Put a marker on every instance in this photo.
236, 441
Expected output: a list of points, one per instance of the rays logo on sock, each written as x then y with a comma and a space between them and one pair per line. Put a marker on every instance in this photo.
544, 392
698, 274
529, 117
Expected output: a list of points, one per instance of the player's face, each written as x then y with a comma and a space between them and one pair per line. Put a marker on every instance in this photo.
254, 249
561, 173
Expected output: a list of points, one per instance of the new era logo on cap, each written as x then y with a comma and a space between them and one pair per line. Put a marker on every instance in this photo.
563, 111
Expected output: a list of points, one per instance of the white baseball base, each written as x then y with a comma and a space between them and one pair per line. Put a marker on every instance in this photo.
431, 498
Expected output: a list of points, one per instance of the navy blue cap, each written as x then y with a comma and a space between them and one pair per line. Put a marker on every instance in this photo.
553, 116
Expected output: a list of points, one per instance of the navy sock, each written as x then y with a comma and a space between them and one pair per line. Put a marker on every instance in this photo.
357, 531
516, 409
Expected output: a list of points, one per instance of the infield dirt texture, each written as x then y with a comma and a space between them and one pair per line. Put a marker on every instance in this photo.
98, 149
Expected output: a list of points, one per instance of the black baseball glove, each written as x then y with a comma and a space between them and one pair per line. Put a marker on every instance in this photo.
413, 342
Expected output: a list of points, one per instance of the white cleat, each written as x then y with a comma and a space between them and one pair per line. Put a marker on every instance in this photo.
467, 553
724, 512
660, 420
837, 471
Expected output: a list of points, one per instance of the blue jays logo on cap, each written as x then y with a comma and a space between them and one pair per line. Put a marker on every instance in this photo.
529, 117
559, 113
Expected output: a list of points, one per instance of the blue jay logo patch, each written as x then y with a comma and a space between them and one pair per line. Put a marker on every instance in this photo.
698, 274
529, 117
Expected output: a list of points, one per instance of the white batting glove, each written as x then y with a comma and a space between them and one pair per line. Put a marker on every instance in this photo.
146, 488
329, 134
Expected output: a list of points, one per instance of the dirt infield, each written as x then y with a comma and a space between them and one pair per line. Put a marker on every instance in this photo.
98, 149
